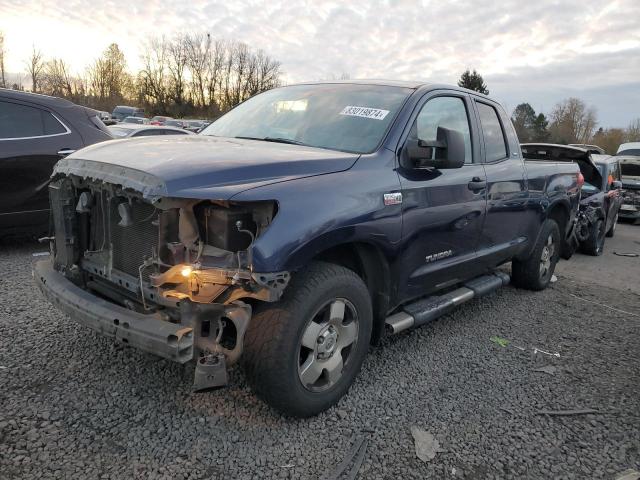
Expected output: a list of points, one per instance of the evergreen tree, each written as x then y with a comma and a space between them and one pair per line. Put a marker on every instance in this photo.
540, 133
523, 118
473, 81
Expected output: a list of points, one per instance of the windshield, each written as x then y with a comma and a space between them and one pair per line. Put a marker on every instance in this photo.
346, 117
631, 151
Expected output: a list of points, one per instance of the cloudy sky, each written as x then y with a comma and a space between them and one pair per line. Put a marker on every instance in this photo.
536, 51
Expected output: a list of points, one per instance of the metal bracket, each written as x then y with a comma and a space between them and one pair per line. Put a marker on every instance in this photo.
211, 372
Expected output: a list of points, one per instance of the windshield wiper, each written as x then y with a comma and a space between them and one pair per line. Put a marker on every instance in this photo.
273, 139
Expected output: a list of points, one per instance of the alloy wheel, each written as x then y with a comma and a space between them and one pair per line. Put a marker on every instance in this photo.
326, 344
548, 250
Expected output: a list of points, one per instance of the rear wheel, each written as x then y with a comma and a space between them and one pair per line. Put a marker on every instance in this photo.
535, 272
594, 244
303, 353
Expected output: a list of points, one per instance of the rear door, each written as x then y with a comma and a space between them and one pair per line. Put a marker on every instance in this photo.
505, 224
442, 210
32, 140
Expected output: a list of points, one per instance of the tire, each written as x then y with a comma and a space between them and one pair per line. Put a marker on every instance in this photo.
594, 244
535, 272
612, 230
296, 352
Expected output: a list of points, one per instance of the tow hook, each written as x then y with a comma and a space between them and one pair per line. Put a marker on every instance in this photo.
211, 372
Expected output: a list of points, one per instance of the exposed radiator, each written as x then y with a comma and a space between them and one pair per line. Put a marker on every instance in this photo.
135, 243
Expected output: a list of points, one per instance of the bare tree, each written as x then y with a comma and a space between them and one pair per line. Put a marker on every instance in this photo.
108, 79
633, 131
35, 66
56, 79
152, 79
3, 78
177, 66
198, 48
572, 122
609, 139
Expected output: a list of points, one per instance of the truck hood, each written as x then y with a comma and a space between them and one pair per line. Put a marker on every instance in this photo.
199, 166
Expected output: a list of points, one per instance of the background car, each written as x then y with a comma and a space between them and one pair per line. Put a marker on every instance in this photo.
602, 202
177, 123
35, 132
196, 125
600, 194
122, 111
106, 117
630, 170
631, 148
136, 120
125, 130
159, 120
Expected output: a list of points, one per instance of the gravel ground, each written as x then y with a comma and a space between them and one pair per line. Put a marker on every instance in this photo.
74, 405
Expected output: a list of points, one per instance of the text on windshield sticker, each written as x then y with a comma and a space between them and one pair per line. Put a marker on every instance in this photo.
365, 112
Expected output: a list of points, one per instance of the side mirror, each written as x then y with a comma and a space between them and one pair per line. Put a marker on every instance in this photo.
446, 152
616, 185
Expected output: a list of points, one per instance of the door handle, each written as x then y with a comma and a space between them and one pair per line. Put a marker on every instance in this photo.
477, 183
65, 151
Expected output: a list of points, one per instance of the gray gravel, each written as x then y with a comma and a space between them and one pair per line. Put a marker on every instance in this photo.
74, 405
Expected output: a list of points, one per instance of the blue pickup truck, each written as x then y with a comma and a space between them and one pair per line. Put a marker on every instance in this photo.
300, 228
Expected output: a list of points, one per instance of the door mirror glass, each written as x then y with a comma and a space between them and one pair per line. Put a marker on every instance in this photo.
447, 151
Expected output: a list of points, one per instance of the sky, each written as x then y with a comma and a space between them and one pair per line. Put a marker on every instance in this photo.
537, 51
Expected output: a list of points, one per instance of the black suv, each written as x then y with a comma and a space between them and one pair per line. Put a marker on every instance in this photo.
35, 132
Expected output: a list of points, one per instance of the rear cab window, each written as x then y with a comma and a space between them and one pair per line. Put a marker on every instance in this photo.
495, 143
21, 121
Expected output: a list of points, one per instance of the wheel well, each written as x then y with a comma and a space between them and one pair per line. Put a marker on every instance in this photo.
560, 214
372, 267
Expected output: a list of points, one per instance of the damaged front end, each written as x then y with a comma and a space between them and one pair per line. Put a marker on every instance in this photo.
587, 217
150, 258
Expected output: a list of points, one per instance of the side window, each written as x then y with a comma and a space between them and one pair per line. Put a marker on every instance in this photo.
174, 132
447, 112
614, 174
494, 142
21, 121
615, 170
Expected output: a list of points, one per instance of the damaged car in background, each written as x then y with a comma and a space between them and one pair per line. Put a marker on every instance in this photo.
601, 193
630, 170
301, 227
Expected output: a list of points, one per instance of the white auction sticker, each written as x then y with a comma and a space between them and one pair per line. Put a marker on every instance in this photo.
365, 112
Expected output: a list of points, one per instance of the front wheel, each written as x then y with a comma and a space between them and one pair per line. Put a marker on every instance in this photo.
535, 272
303, 353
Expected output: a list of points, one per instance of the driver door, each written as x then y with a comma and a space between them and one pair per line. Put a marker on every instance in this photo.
442, 209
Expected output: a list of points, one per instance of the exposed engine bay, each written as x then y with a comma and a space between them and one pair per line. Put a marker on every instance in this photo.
183, 261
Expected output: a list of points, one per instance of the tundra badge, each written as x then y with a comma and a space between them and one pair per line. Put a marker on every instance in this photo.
438, 256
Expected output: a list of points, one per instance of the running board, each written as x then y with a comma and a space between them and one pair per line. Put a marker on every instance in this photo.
428, 309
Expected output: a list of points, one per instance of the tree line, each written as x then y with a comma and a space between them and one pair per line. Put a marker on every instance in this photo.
190, 75
570, 121
195, 75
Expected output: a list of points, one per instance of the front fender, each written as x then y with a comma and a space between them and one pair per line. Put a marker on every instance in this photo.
319, 212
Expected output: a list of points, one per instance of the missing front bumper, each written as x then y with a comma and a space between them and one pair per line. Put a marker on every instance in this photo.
180, 342
146, 332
